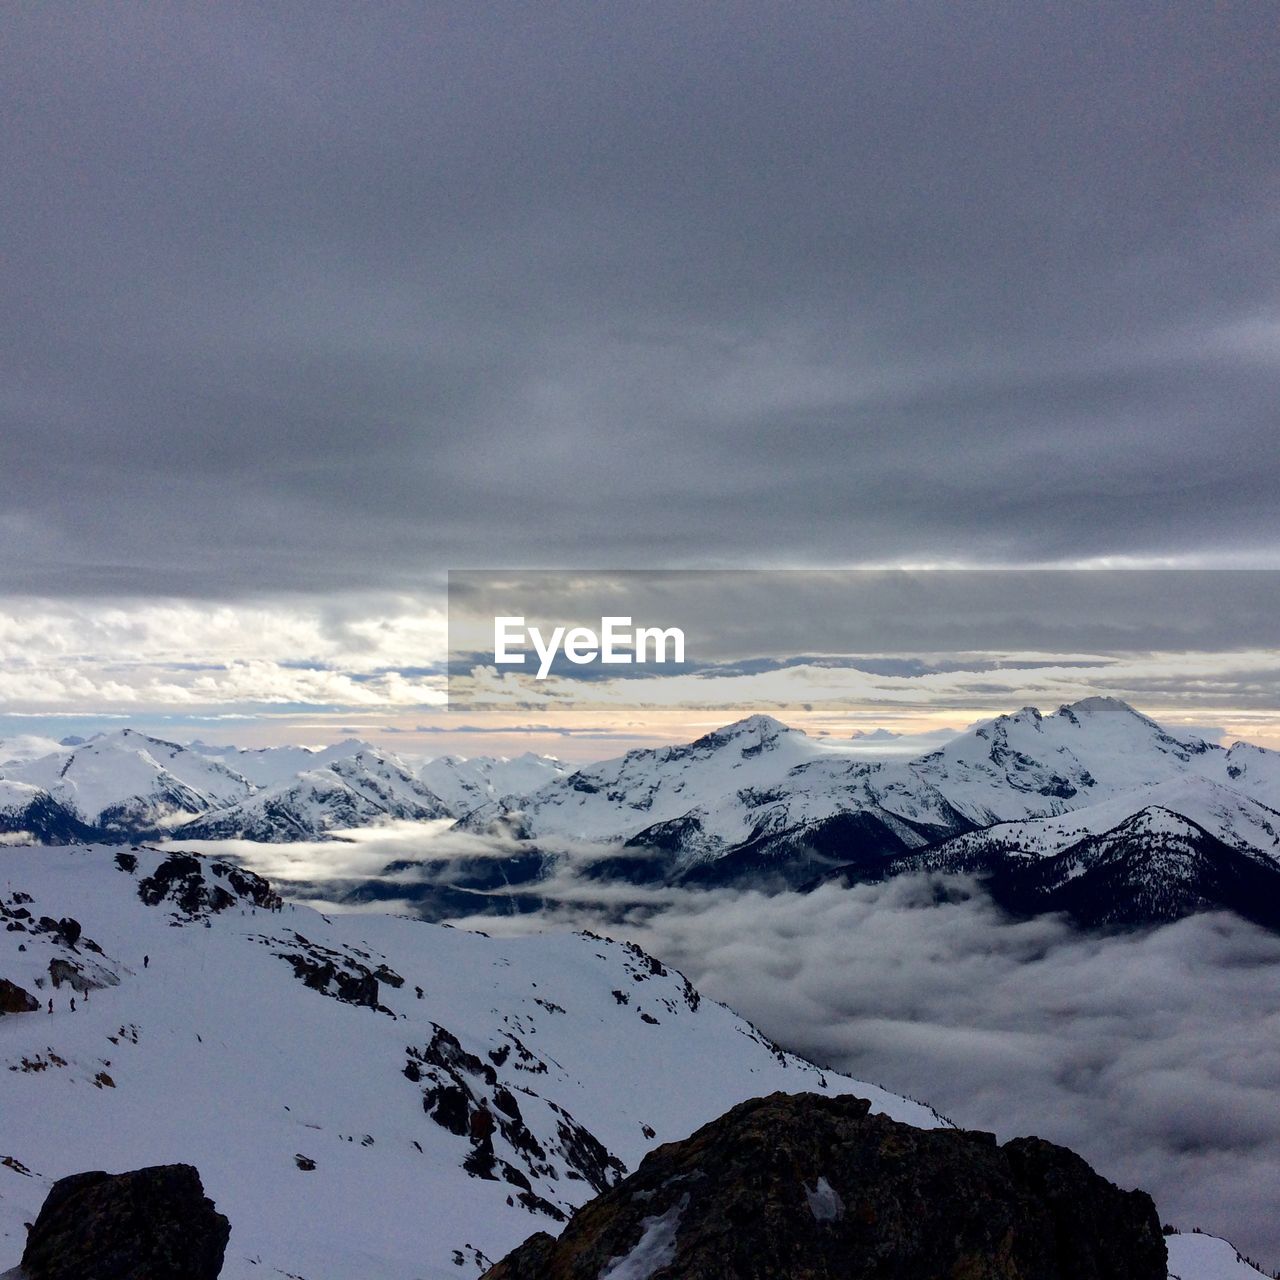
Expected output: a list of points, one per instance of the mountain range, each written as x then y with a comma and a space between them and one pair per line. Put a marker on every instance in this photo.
127, 785
1095, 810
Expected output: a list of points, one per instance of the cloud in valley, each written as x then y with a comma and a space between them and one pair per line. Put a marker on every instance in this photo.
1155, 1054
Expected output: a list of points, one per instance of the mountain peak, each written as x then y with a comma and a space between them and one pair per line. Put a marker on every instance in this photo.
1099, 705
751, 732
1157, 820
760, 726
134, 738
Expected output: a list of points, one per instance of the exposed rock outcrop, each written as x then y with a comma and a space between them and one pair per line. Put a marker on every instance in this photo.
202, 887
804, 1187
150, 1224
16, 999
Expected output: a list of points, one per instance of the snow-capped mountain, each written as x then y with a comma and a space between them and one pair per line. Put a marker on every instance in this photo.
1220, 810
28, 746
325, 1075
755, 803
28, 813
1147, 856
350, 791
754, 795
759, 776
128, 781
466, 784
758, 803
130, 785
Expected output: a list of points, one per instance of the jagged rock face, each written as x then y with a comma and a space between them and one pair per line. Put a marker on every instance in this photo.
151, 1224
200, 887
804, 1187
16, 999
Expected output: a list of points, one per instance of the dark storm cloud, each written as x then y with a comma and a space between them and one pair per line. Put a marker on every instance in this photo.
744, 616
311, 297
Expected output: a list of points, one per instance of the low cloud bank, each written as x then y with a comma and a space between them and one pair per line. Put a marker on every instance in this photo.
1155, 1055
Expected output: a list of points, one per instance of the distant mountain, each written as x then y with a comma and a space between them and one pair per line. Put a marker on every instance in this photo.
758, 804
352, 791
752, 800
29, 814
28, 746
1156, 864
364, 1096
754, 804
127, 781
128, 785
465, 784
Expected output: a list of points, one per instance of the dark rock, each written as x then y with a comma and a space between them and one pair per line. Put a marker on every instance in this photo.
790, 1187
181, 879
450, 1107
506, 1102
151, 1224
14, 999
338, 974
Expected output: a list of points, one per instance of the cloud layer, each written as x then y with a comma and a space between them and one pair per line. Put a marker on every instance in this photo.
305, 298
1155, 1055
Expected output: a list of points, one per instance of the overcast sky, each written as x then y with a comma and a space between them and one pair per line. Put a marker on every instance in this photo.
310, 300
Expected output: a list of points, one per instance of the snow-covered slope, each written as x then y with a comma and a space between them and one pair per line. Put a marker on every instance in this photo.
465, 784
1196, 1256
324, 1074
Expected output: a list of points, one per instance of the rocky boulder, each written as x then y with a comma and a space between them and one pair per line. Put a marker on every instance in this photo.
151, 1224
14, 999
813, 1188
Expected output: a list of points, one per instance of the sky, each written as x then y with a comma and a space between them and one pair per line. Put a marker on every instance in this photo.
308, 304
